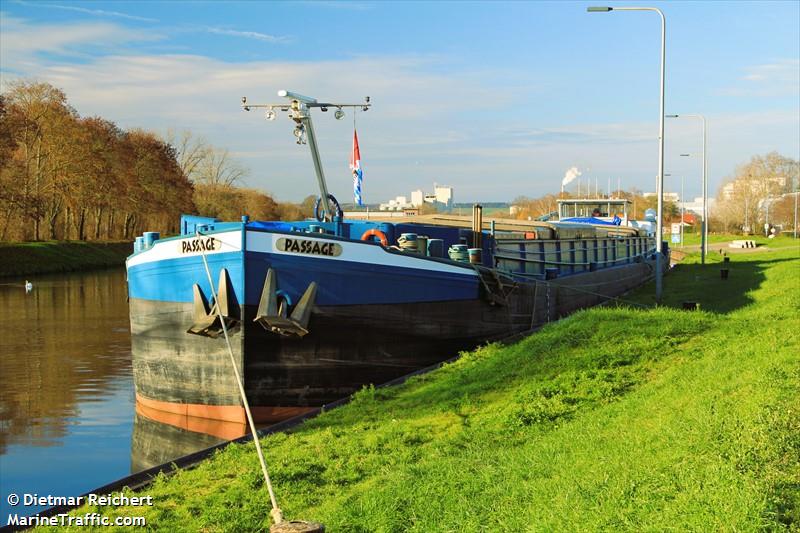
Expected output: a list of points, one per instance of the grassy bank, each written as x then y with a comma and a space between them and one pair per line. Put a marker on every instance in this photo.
31, 258
613, 419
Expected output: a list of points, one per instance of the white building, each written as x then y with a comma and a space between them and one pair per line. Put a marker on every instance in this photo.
397, 204
668, 196
443, 195
696, 206
442, 198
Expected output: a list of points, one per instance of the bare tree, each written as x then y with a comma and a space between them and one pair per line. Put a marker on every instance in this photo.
218, 168
742, 200
204, 163
190, 151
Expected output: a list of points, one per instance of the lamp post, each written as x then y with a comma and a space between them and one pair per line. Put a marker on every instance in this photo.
796, 194
660, 182
704, 229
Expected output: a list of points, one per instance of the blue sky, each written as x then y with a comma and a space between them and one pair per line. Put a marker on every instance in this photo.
496, 99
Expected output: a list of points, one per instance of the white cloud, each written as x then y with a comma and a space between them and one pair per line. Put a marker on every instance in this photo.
21, 42
95, 12
250, 35
775, 79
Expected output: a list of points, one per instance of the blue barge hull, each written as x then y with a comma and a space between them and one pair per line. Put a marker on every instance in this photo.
376, 312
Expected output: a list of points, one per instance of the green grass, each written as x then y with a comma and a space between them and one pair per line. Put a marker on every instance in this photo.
30, 258
614, 419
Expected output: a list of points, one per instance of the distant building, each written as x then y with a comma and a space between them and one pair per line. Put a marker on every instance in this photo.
756, 186
442, 199
397, 204
696, 206
668, 196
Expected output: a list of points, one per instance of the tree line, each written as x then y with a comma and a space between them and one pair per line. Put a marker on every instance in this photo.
67, 177
760, 192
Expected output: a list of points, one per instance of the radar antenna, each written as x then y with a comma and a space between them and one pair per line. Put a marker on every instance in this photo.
299, 110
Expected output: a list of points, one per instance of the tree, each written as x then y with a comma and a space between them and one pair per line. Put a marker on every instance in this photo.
742, 199
229, 203
40, 122
190, 152
203, 163
218, 168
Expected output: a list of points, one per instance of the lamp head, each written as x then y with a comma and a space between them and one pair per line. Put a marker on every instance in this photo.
598, 9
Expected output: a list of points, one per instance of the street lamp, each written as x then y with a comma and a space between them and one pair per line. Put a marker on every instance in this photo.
704, 229
660, 182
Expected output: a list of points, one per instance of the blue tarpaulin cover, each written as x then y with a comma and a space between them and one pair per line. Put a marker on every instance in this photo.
279, 226
589, 220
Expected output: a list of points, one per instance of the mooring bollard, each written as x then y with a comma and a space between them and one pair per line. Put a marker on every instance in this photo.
726, 259
691, 306
297, 526
723, 273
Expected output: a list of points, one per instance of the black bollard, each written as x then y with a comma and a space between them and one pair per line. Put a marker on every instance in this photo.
691, 306
723, 273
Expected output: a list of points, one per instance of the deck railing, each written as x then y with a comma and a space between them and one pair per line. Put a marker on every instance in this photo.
532, 257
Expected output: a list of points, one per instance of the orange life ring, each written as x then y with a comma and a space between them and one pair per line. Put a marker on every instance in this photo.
375, 233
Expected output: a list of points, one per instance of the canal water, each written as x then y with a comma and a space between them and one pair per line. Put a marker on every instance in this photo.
68, 418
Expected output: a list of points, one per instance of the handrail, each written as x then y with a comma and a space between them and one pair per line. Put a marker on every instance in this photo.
526, 260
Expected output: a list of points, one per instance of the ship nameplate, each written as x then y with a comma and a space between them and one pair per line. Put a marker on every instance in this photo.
308, 247
200, 244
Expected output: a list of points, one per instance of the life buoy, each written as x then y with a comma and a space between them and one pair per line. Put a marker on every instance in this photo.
320, 216
375, 233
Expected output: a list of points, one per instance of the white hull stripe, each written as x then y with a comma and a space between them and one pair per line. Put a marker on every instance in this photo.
264, 242
190, 246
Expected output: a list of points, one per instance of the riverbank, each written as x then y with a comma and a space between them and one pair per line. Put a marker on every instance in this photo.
31, 258
624, 418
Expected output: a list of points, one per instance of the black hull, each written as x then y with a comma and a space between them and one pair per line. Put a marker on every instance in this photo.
347, 346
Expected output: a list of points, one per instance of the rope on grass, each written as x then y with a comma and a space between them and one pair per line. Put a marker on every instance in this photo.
277, 515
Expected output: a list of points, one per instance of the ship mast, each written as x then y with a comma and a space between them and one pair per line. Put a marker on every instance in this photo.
299, 110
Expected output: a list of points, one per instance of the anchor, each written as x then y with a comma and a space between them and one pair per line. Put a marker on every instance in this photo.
273, 319
207, 323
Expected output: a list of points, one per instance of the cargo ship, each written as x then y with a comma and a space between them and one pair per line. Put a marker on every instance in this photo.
315, 309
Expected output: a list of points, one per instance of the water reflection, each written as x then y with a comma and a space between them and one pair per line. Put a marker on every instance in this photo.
67, 407
160, 437
64, 343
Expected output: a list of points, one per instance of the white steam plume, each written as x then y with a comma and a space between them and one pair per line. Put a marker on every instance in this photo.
570, 176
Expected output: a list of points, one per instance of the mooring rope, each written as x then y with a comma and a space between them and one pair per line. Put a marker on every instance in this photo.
276, 513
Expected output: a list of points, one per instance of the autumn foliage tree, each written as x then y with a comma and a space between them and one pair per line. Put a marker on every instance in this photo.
63, 176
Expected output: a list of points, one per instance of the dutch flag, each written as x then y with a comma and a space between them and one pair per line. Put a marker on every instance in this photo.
355, 167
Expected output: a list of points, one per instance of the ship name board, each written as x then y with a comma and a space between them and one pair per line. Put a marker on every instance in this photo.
200, 244
304, 246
